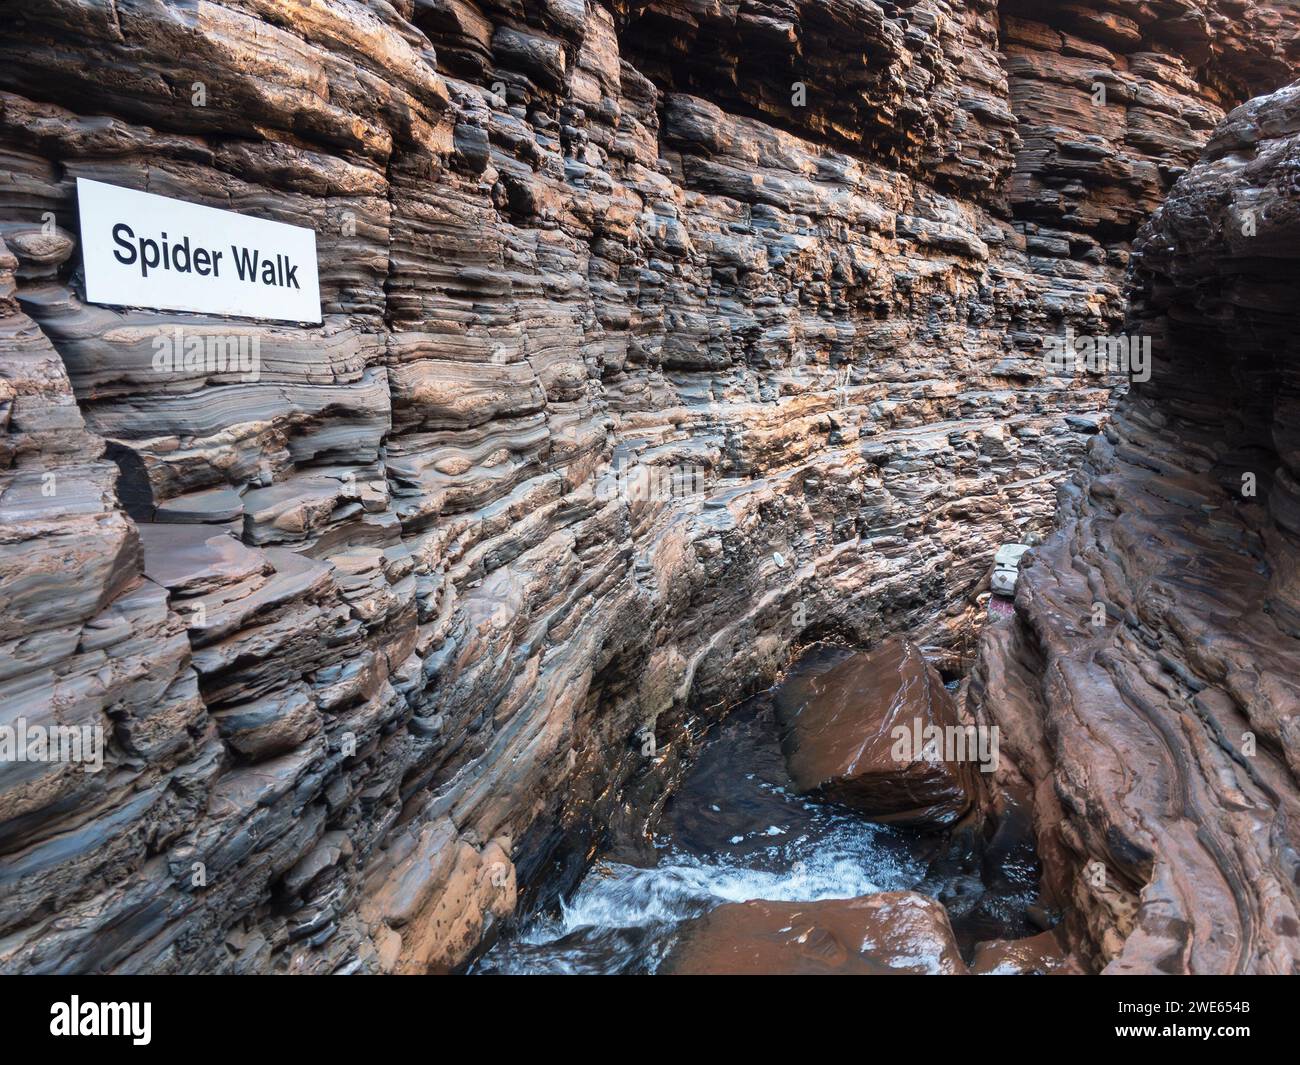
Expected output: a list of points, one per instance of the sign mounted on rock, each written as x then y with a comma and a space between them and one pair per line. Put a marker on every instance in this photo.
142, 250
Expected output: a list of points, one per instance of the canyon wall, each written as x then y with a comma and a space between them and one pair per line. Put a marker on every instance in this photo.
1150, 683
378, 632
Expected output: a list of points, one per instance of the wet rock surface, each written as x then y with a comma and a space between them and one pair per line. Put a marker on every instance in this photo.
371, 635
1042, 955
870, 733
894, 932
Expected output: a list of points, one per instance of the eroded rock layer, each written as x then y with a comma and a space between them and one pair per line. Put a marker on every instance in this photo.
376, 628
1149, 685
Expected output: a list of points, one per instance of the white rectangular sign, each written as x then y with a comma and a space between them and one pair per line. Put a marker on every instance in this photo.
142, 250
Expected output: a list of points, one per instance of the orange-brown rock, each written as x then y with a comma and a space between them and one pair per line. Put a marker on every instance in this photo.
1042, 955
894, 932
1149, 683
869, 733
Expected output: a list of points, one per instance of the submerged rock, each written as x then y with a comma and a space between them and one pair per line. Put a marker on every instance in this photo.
870, 733
894, 932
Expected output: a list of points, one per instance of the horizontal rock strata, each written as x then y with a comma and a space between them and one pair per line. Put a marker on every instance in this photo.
375, 633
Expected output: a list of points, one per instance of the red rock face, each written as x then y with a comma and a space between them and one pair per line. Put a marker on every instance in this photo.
872, 732
373, 635
896, 933
1150, 682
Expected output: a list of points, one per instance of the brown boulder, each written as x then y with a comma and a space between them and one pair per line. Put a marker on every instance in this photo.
1040, 955
894, 932
842, 737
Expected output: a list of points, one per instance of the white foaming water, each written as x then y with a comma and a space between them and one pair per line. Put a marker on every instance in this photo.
682, 885
736, 830
623, 917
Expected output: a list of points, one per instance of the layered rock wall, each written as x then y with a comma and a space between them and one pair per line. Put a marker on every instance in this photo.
375, 630
1150, 682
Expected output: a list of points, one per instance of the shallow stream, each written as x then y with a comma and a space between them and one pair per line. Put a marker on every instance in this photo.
735, 830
